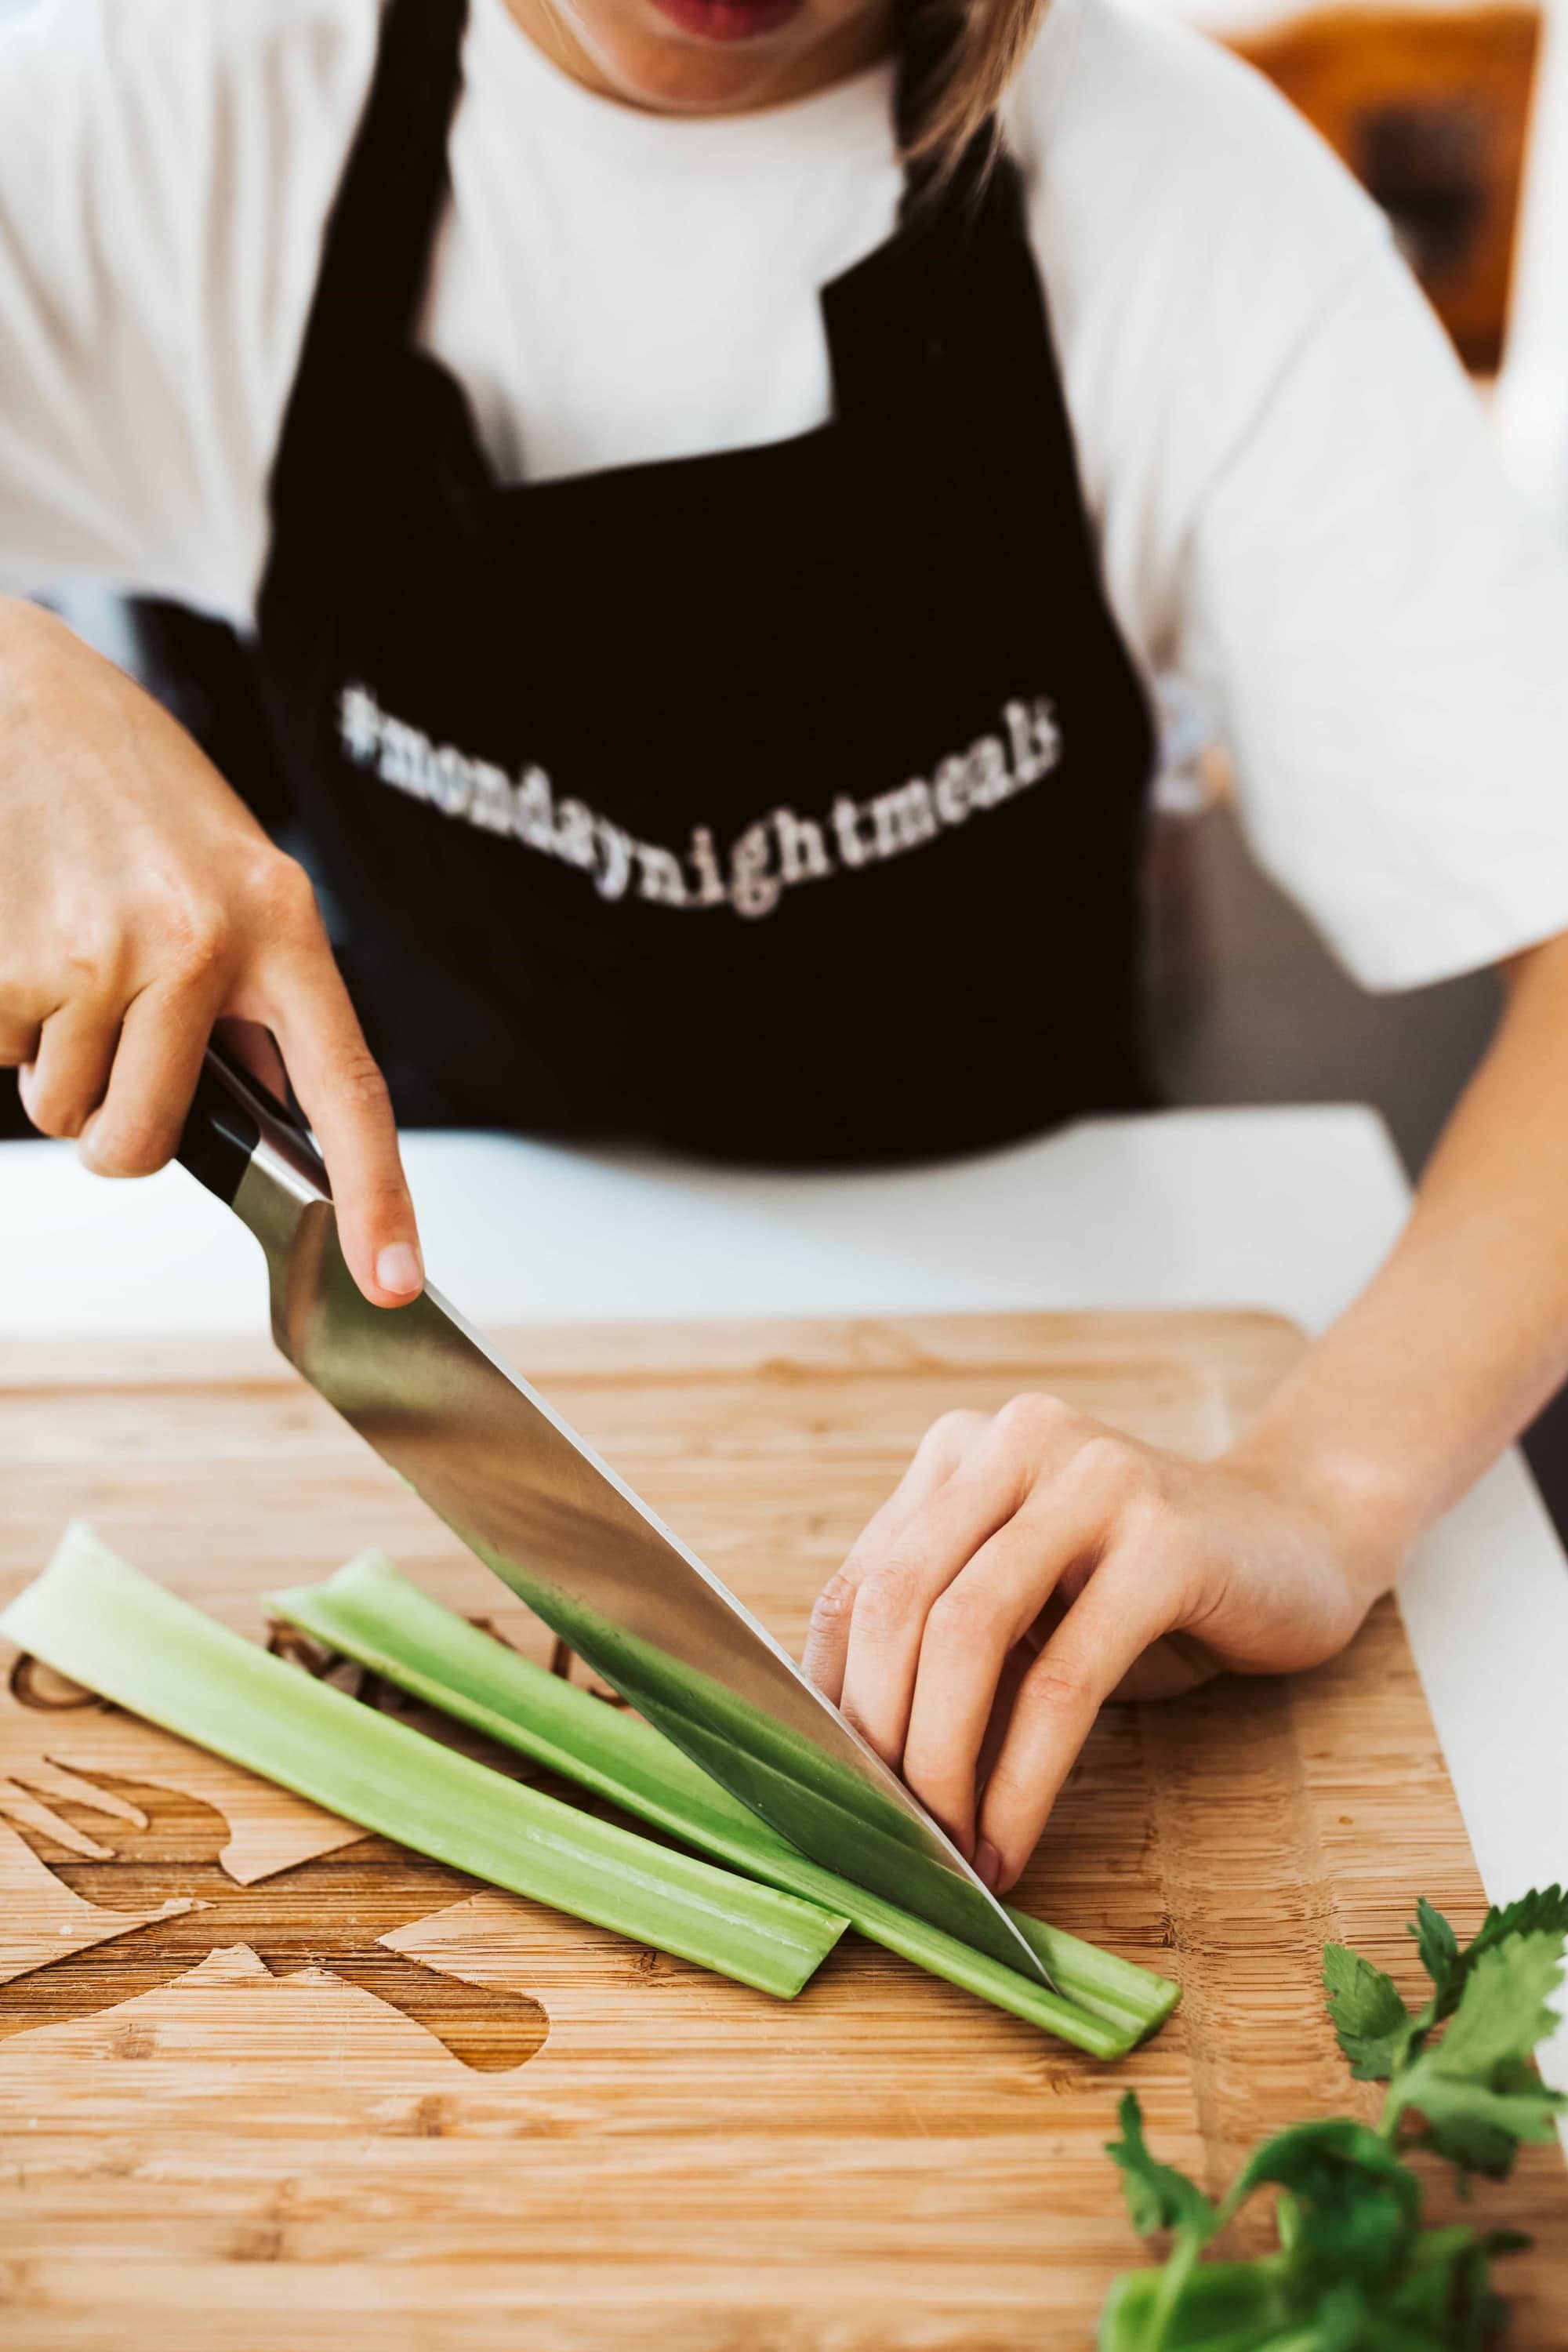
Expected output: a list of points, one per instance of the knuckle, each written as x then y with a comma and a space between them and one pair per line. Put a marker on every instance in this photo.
1030, 1418
53, 1109
358, 1085
283, 899
889, 1596
201, 941
951, 1432
964, 1614
135, 1146
94, 954
194, 934
1114, 1463
834, 1603
1172, 1556
1062, 1687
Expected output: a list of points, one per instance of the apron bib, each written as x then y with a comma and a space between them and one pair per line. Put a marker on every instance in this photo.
785, 804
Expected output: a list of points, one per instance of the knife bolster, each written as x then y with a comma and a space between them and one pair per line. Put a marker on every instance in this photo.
220, 1135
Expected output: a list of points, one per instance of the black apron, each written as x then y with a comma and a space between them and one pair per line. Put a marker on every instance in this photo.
785, 804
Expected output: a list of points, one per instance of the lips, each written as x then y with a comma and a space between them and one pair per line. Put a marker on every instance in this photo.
730, 20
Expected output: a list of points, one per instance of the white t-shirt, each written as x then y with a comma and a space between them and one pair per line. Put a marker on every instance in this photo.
1296, 498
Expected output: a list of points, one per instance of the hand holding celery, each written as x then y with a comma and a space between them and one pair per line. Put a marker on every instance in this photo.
1355, 2271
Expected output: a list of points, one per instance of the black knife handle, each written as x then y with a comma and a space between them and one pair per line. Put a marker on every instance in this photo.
231, 1112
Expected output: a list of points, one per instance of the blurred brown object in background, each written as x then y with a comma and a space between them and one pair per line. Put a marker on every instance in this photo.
1430, 108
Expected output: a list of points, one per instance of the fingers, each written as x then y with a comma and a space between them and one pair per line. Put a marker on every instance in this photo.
903, 1577
344, 1098
934, 1459
117, 1065
62, 1081
1024, 1565
18, 1039
975, 1627
902, 1560
895, 1601
136, 881
157, 1061
1126, 1605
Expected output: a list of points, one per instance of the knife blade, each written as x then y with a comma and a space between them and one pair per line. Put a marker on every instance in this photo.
493, 1458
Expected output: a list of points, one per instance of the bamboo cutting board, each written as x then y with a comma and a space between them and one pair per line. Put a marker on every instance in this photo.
264, 2082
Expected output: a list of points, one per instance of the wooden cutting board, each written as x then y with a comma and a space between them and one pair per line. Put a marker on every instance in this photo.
266, 2083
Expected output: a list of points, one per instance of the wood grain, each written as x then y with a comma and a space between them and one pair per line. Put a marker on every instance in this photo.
356, 2102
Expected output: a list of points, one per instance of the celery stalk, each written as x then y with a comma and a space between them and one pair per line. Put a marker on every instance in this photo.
370, 1612
98, 1621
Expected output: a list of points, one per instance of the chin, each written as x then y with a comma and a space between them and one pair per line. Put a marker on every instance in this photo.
674, 79
700, 56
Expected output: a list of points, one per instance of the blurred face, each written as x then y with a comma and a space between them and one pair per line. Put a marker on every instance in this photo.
707, 56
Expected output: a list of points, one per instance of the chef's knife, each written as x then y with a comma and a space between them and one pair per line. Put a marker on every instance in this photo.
498, 1465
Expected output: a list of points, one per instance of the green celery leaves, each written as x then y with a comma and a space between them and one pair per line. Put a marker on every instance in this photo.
1158, 2196
1371, 2021
1356, 2271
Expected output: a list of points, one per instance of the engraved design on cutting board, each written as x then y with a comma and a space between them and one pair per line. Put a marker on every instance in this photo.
139, 1846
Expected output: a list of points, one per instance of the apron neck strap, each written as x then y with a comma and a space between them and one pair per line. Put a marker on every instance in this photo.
382, 230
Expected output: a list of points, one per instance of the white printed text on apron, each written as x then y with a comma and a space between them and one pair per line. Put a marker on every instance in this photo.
774, 853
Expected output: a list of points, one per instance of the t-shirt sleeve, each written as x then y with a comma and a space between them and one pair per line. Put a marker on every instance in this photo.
1297, 500
1383, 627
164, 170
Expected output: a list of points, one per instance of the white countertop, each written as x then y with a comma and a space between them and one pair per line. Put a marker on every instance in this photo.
1285, 1209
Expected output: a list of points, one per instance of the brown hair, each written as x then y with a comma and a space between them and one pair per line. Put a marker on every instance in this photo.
973, 49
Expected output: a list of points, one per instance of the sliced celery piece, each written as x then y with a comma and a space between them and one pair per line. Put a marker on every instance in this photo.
98, 1621
372, 1612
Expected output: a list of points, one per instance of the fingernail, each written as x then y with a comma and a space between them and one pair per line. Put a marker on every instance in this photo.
987, 1864
398, 1269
